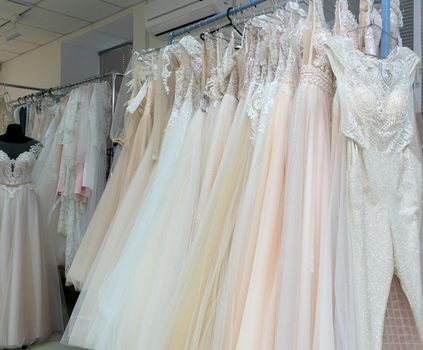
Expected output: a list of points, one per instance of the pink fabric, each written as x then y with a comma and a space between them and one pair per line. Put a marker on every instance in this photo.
61, 181
80, 189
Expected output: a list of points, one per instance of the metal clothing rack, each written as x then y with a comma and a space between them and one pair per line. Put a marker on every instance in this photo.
386, 26
50, 91
17, 86
212, 19
386, 21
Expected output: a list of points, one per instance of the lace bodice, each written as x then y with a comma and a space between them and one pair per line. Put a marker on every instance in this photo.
375, 95
316, 68
15, 172
345, 22
290, 73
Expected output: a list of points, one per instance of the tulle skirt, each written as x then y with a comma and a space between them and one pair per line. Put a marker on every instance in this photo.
188, 319
92, 318
307, 189
218, 125
156, 264
250, 307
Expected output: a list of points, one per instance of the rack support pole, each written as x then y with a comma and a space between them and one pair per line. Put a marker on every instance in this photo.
386, 25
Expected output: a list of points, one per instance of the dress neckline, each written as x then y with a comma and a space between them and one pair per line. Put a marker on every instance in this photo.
32, 150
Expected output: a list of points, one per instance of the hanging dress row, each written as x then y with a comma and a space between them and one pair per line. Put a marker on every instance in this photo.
255, 203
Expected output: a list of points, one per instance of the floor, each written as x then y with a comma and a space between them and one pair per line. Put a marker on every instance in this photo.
52, 344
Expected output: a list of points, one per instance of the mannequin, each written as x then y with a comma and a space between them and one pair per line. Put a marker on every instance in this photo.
14, 142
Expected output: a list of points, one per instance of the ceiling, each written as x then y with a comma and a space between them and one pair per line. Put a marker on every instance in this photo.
43, 21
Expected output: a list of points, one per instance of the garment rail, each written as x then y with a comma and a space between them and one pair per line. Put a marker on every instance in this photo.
386, 25
385, 41
17, 86
50, 92
213, 19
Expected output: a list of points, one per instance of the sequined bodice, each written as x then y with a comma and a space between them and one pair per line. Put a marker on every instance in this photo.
15, 172
376, 94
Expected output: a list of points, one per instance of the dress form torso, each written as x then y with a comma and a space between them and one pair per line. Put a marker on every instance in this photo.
14, 142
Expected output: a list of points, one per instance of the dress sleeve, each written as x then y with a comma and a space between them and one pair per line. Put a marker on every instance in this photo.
335, 50
36, 149
412, 61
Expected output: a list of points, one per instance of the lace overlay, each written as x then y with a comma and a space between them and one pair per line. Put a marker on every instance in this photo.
316, 69
377, 94
16, 174
385, 186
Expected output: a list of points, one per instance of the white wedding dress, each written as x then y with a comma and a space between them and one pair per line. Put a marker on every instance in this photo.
384, 181
30, 292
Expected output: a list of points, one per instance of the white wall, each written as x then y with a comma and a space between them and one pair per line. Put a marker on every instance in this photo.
42, 66
78, 64
38, 68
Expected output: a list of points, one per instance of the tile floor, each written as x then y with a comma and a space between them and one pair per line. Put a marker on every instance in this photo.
400, 327
52, 344
400, 330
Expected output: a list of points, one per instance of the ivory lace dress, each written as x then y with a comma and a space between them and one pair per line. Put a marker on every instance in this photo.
384, 181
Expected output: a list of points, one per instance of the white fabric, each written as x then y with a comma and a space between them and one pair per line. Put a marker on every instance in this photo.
30, 292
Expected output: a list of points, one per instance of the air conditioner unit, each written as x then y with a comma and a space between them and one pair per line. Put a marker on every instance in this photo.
163, 16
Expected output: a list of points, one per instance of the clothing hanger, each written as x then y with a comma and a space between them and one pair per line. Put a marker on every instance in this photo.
377, 26
219, 28
373, 24
230, 20
294, 7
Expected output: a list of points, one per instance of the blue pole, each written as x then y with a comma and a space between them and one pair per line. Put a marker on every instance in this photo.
212, 19
386, 25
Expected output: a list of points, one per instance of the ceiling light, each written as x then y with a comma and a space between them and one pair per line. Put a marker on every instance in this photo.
11, 34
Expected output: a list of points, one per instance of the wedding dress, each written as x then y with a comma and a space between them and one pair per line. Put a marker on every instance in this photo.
95, 155
211, 86
190, 312
384, 180
219, 120
45, 178
307, 188
133, 136
106, 237
92, 325
229, 318
250, 310
72, 195
174, 234
30, 292
334, 300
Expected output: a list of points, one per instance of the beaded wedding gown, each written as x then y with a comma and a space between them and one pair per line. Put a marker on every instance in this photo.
385, 190
30, 292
